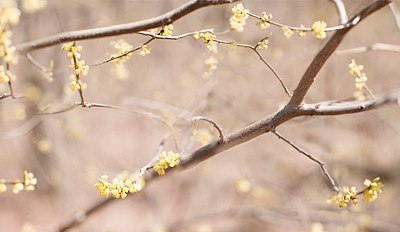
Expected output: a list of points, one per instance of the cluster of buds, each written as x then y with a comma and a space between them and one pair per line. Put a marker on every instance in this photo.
164, 160
76, 64
28, 183
117, 188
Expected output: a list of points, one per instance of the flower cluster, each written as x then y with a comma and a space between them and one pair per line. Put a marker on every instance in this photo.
361, 78
318, 29
78, 66
343, 197
28, 183
238, 20
372, 190
211, 63
202, 136
164, 160
145, 50
302, 34
165, 30
118, 188
9, 14
119, 70
207, 37
263, 24
263, 44
287, 32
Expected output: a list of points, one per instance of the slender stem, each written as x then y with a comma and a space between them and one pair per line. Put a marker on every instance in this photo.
321, 164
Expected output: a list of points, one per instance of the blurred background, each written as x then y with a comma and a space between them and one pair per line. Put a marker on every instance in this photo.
262, 185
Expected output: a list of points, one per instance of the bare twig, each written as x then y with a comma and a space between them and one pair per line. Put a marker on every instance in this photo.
120, 29
254, 48
221, 135
146, 33
341, 10
123, 54
309, 156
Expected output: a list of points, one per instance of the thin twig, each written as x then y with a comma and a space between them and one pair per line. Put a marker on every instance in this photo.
149, 165
155, 36
221, 135
341, 10
254, 48
321, 164
123, 54
35, 63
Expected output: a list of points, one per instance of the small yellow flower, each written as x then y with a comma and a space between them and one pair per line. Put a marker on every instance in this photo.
318, 29
145, 50
239, 12
29, 181
211, 63
287, 32
263, 24
263, 44
3, 187
373, 189
164, 160
202, 136
302, 34
17, 187
33, 6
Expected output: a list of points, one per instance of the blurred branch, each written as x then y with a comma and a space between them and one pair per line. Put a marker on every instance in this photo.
373, 47
120, 29
341, 10
16, 96
395, 13
25, 128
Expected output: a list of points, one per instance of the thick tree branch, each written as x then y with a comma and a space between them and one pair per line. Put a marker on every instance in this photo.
120, 29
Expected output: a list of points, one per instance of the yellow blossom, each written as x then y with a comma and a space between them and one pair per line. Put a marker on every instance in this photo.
118, 188
202, 136
211, 63
263, 24
373, 189
3, 187
263, 44
17, 187
302, 34
287, 32
145, 50
33, 6
164, 160
318, 29
29, 181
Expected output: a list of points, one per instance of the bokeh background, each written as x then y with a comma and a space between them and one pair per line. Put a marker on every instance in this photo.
262, 185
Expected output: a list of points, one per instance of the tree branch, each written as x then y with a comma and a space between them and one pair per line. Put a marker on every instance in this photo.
348, 107
120, 29
320, 59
